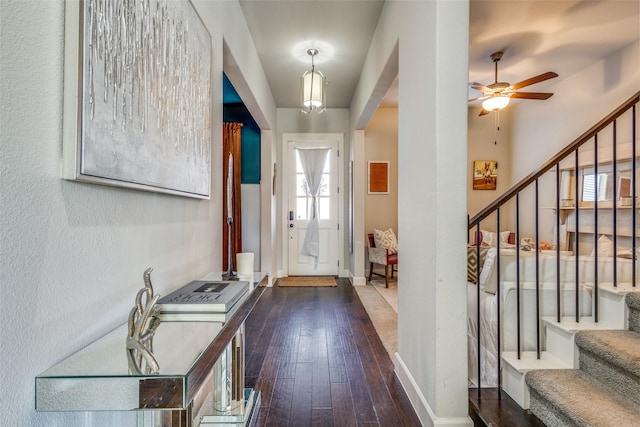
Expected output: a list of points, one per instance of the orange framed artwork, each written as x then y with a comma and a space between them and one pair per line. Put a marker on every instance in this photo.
485, 174
378, 177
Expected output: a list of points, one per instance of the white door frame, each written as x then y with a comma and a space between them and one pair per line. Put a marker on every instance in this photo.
286, 138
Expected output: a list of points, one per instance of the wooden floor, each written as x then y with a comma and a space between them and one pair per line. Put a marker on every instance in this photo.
487, 408
315, 357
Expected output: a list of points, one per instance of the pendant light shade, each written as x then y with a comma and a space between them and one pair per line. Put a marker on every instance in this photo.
313, 94
312, 83
496, 102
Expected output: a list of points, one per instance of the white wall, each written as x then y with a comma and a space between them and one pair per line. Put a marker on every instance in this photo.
269, 249
72, 255
291, 120
251, 222
540, 130
427, 42
381, 144
486, 143
357, 257
579, 101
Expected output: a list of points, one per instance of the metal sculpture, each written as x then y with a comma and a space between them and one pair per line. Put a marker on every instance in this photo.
143, 322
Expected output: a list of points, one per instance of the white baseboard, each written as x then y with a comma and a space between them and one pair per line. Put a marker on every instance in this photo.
271, 281
420, 404
343, 273
358, 281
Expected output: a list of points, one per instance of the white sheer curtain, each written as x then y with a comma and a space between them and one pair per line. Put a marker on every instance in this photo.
313, 161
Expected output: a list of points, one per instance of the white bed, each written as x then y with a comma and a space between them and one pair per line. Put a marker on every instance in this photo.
548, 297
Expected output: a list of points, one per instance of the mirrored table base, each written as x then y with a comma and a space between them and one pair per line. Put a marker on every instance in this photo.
183, 418
200, 382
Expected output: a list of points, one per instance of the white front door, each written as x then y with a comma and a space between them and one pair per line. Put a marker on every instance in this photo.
298, 203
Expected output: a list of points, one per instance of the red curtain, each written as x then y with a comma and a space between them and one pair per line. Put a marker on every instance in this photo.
231, 143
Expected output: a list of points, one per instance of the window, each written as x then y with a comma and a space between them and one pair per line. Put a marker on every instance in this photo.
589, 187
601, 188
303, 198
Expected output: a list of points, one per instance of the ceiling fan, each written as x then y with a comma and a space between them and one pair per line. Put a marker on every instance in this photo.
497, 95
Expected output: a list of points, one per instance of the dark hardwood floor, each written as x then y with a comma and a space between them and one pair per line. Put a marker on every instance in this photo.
489, 409
317, 360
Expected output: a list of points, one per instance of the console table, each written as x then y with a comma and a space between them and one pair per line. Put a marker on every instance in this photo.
201, 378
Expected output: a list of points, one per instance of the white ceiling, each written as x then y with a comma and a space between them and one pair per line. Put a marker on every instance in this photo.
536, 36
283, 30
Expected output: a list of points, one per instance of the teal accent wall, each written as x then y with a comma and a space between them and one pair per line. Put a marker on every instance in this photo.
234, 110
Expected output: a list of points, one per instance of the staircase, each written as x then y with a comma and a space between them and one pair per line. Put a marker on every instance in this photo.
605, 390
562, 350
582, 370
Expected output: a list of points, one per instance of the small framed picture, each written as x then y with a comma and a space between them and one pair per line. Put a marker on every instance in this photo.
624, 191
485, 174
624, 187
378, 177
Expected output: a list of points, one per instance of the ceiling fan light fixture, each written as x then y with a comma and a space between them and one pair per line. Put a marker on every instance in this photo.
497, 95
313, 88
496, 102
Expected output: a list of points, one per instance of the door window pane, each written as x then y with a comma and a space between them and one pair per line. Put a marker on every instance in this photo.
324, 185
303, 198
301, 208
324, 208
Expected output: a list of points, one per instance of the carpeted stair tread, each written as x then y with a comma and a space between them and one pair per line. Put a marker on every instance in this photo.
578, 397
632, 299
620, 348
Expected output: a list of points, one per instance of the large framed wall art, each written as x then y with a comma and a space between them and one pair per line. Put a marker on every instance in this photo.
137, 108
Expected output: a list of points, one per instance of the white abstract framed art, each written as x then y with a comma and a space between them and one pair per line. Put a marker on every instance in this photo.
137, 102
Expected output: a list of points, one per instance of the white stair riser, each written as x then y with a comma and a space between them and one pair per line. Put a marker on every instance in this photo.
561, 345
612, 310
513, 384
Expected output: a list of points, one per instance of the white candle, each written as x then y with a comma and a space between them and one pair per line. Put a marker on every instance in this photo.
244, 263
230, 188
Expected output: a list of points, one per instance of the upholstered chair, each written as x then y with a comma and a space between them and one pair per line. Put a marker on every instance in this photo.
383, 257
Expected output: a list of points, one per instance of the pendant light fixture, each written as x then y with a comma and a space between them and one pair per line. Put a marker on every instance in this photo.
313, 94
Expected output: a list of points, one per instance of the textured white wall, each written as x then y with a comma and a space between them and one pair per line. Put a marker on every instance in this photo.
428, 43
72, 255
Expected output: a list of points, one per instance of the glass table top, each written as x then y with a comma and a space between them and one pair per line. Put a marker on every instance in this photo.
101, 369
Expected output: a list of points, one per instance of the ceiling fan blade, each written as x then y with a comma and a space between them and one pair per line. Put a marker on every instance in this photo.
480, 98
533, 80
480, 87
531, 95
484, 112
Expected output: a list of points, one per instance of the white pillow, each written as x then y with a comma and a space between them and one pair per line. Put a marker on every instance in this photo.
605, 249
386, 239
488, 238
487, 285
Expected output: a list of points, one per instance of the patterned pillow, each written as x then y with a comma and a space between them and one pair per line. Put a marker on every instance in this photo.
386, 239
472, 262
